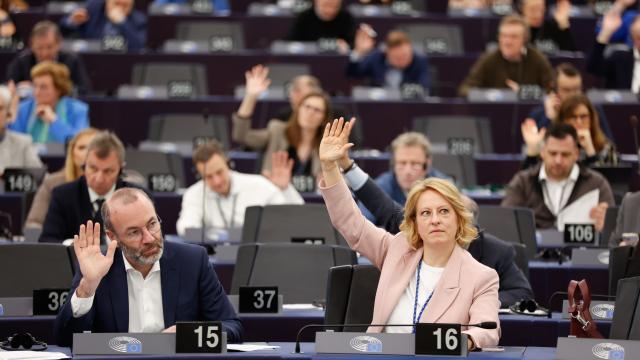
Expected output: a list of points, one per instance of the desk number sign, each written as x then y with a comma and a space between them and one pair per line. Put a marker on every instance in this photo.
49, 301
18, 180
258, 299
580, 234
439, 339
164, 182
199, 337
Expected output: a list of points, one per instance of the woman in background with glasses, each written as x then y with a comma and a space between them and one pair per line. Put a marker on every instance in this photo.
577, 111
300, 136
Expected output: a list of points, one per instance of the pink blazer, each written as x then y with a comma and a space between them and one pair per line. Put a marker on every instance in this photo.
466, 293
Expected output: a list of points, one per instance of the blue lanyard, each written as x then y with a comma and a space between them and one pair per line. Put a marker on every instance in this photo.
415, 304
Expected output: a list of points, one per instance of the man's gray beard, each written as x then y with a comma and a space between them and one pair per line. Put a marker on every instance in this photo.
142, 260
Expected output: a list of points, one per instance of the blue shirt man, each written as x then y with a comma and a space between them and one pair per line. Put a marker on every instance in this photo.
411, 161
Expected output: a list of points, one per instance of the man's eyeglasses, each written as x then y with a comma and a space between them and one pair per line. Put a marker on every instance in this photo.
136, 234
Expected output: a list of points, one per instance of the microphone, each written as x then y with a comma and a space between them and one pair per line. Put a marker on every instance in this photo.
489, 325
204, 198
205, 115
633, 120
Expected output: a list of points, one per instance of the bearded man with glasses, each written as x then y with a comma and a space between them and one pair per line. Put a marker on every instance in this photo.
142, 283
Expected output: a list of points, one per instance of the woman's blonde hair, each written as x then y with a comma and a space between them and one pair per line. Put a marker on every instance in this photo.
59, 74
466, 231
71, 171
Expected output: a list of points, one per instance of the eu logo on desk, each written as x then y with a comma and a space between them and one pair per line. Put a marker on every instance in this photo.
366, 344
125, 344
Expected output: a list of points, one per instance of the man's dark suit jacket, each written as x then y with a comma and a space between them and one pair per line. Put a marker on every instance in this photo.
616, 69
487, 249
19, 69
190, 292
133, 29
69, 208
374, 67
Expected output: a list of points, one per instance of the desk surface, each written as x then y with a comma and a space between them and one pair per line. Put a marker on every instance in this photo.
285, 351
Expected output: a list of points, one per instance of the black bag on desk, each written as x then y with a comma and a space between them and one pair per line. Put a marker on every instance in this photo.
624, 262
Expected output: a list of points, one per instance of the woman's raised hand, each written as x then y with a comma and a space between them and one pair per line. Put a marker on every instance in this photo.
335, 140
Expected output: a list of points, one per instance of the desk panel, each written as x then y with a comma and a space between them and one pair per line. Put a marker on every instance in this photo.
517, 330
381, 120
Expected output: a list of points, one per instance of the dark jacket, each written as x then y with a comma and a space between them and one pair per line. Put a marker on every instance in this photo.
190, 292
69, 208
487, 249
374, 67
19, 69
492, 70
550, 31
133, 29
616, 69
309, 27
526, 191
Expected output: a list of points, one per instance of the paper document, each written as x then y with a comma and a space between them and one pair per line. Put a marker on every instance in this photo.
31, 355
578, 211
300, 307
251, 347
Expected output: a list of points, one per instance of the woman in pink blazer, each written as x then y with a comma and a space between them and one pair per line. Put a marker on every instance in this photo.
426, 275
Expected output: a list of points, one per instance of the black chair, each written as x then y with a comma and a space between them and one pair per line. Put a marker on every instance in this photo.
626, 319
462, 168
32, 267
512, 224
272, 224
163, 74
610, 220
522, 262
445, 131
185, 127
351, 293
232, 32
299, 271
148, 162
442, 39
624, 262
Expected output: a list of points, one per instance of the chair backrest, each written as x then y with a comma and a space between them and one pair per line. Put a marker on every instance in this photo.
522, 261
299, 271
512, 224
351, 293
273, 224
462, 168
624, 262
282, 74
610, 220
626, 319
32, 267
444, 39
229, 33
162, 74
448, 133
186, 127
148, 162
